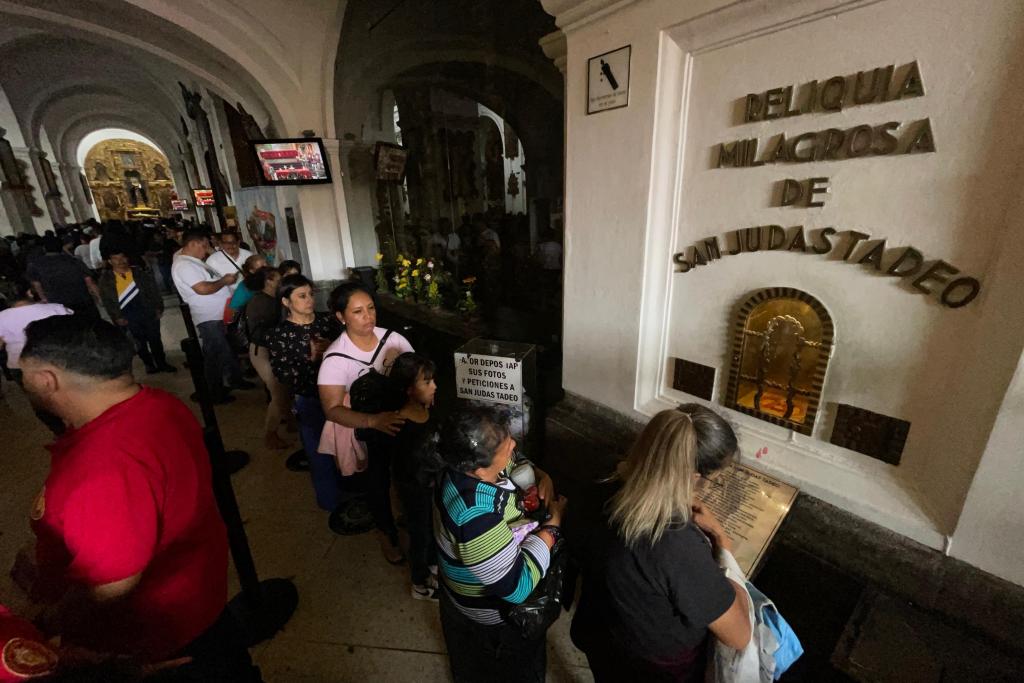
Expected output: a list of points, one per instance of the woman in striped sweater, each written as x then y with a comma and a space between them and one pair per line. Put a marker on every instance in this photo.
490, 555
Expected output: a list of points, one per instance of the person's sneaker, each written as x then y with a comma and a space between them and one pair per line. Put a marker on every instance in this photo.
167, 367
421, 592
152, 370
243, 384
297, 461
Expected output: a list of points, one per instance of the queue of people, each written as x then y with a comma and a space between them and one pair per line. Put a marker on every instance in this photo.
131, 553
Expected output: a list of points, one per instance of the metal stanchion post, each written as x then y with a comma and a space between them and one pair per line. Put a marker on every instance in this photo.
234, 459
263, 607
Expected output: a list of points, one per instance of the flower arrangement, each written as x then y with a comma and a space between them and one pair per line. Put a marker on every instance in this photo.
433, 280
381, 278
423, 280
467, 304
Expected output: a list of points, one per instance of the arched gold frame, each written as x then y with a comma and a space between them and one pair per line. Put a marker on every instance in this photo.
748, 343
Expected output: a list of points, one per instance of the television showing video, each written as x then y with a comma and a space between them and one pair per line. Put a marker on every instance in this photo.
296, 161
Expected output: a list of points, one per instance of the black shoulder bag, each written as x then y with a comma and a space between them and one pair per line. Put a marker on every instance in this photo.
369, 392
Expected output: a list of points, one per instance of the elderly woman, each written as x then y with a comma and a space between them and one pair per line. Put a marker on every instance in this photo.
652, 589
488, 559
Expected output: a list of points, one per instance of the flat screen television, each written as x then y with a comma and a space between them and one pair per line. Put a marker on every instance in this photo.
292, 161
204, 196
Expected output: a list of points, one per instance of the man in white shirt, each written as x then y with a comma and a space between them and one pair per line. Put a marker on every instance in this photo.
228, 260
95, 257
207, 293
82, 251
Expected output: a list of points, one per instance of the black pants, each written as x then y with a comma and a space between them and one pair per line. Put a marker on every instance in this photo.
490, 653
418, 504
378, 489
165, 275
219, 655
148, 344
218, 358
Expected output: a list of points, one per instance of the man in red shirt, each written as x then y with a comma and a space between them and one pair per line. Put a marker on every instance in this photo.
131, 549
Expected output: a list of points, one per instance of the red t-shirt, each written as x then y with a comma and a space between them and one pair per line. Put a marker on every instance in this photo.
128, 493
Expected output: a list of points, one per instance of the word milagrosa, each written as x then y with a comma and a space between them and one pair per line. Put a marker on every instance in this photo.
883, 84
930, 277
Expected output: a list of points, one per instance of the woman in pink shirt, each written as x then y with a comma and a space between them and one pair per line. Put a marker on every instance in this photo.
361, 347
26, 309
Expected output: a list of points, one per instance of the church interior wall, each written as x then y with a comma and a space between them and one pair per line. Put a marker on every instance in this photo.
469, 53
640, 189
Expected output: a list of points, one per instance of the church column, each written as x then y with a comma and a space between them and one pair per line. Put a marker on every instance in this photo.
31, 191
81, 207
16, 217
47, 184
323, 222
207, 154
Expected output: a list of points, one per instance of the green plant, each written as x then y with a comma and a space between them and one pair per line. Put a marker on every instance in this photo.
467, 304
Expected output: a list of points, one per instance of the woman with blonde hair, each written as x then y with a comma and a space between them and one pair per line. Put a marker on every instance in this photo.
652, 589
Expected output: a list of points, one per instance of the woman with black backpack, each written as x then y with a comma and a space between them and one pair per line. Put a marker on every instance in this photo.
362, 350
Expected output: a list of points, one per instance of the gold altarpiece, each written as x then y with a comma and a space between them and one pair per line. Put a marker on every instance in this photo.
129, 180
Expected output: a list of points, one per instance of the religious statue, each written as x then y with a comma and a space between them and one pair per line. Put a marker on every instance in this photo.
100, 172
513, 184
136, 189
159, 172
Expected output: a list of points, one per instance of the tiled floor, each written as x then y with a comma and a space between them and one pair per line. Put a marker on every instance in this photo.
355, 620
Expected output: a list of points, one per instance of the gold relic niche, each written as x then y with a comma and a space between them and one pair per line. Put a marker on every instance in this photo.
781, 347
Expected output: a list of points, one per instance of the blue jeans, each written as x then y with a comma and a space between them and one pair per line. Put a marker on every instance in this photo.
322, 468
218, 358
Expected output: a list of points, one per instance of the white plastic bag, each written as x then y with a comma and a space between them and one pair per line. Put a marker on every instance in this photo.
726, 665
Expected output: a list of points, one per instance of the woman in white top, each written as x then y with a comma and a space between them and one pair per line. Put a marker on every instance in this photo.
360, 347
25, 310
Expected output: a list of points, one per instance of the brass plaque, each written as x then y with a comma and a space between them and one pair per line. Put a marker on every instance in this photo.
750, 505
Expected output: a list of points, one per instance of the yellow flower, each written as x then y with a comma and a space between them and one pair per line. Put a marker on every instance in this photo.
380, 256
406, 263
416, 273
399, 258
419, 261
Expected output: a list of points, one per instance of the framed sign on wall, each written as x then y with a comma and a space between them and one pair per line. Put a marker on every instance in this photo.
608, 80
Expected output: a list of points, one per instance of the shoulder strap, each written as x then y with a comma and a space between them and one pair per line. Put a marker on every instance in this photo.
369, 363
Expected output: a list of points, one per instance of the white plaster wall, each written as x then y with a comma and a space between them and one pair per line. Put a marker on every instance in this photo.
992, 525
897, 353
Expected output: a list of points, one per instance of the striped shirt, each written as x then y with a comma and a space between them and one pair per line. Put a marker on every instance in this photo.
482, 565
127, 290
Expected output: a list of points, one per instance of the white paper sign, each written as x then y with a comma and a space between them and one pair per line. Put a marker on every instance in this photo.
608, 80
489, 378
